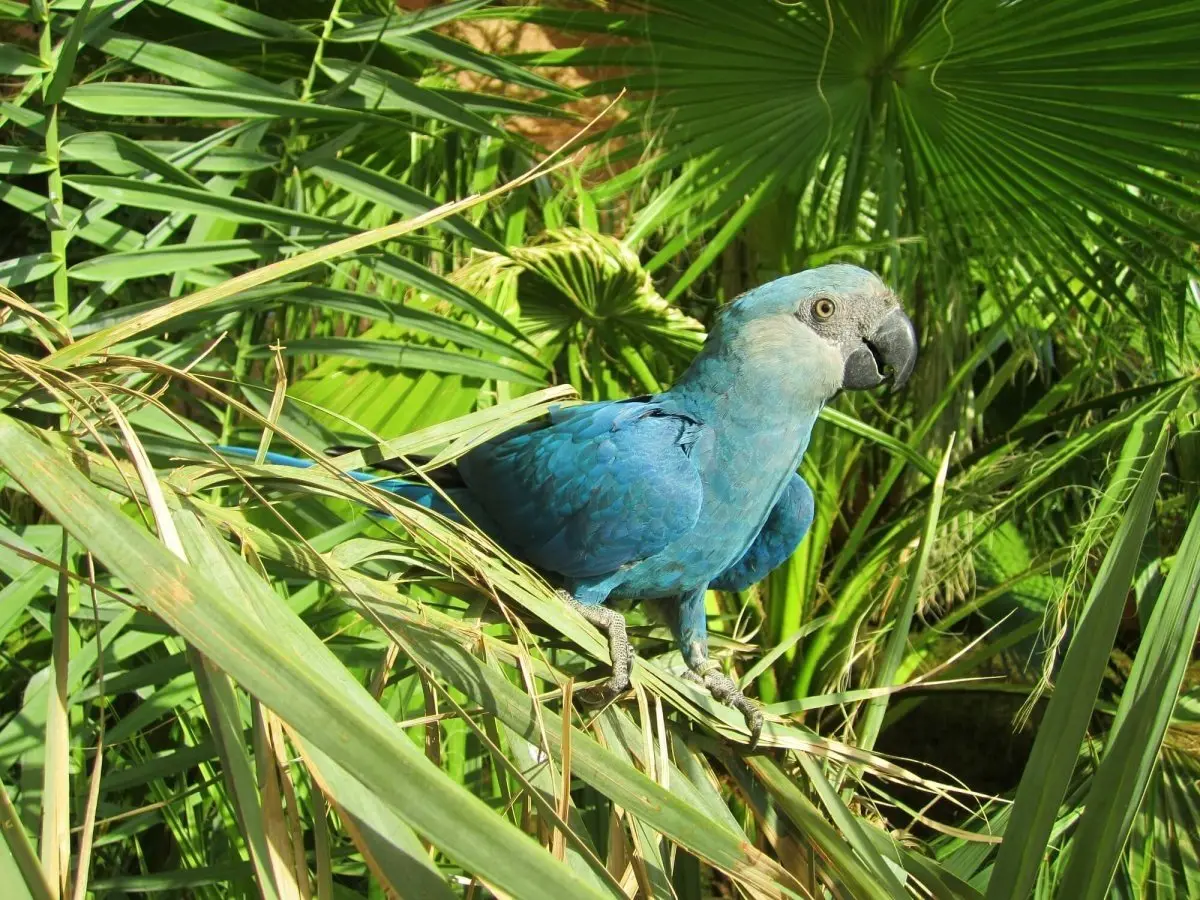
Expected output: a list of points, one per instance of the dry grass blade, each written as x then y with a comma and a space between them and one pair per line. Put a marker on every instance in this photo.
558, 847
56, 809
269, 758
394, 854
624, 784
278, 395
20, 850
42, 325
87, 833
540, 787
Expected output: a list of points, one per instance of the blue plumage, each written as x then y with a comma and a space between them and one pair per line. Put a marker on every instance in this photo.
695, 487
600, 488
785, 528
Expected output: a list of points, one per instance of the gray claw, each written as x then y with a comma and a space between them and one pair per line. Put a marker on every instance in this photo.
612, 624
724, 690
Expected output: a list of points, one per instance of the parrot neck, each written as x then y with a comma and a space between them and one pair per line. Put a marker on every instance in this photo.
759, 395
760, 382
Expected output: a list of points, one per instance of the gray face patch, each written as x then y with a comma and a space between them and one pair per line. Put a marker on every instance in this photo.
852, 317
848, 314
869, 327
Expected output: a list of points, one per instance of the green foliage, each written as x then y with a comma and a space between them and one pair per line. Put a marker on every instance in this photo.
586, 302
298, 224
1037, 134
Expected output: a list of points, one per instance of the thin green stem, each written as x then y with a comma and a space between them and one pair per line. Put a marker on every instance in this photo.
241, 362
60, 233
318, 55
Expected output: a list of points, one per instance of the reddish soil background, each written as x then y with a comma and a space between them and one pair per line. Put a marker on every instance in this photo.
502, 37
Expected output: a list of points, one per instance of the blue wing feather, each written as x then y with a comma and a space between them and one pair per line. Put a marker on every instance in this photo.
783, 531
603, 485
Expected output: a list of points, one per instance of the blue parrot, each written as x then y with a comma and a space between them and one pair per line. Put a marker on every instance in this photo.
668, 495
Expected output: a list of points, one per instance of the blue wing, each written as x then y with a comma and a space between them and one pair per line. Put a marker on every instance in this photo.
603, 485
783, 531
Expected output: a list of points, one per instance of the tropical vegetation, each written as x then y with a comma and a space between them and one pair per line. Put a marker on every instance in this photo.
409, 226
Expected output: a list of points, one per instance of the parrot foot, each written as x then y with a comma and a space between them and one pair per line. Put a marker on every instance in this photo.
612, 623
725, 690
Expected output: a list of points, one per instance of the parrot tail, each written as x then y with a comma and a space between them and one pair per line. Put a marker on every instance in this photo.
421, 494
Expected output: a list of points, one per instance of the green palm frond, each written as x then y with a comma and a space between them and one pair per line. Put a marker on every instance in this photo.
1163, 855
586, 301
1054, 134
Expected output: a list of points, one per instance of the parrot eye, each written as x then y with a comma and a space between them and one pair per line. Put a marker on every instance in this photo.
823, 308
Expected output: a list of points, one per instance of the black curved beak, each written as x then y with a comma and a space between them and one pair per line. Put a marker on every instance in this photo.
889, 351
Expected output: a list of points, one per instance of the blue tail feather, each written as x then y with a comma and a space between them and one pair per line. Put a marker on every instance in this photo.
421, 494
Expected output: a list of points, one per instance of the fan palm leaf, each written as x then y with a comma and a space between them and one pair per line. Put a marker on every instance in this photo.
1056, 135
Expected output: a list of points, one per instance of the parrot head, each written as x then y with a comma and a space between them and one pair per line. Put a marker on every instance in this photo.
844, 314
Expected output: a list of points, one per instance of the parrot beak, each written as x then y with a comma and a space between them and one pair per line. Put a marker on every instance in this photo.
889, 351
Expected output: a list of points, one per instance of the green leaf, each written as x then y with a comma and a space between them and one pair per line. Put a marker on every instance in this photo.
1056, 748
410, 317
172, 258
902, 623
1131, 750
457, 53
15, 61
1007, 121
257, 278
24, 269
893, 445
20, 859
379, 188
174, 882
863, 882
178, 102
183, 65
235, 160
90, 227
177, 198
19, 10
237, 19
854, 831
291, 671
391, 845
384, 91
21, 732
110, 318
405, 356
408, 272
64, 63
371, 30
491, 104
19, 161
110, 150
225, 724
